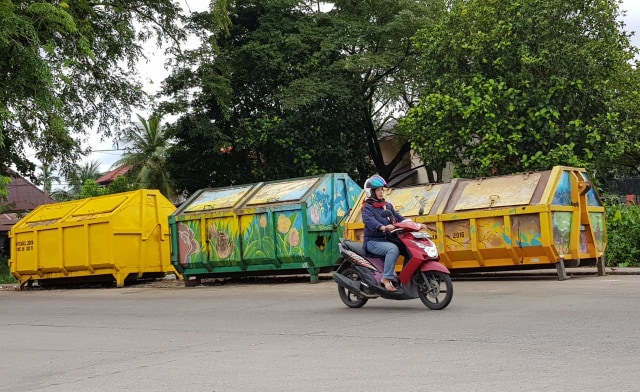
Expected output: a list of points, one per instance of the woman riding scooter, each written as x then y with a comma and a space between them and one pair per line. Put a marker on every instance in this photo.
376, 226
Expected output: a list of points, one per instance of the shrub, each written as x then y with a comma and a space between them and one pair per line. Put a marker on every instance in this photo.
5, 273
623, 235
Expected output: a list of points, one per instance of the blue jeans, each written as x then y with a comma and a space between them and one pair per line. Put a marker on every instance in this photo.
390, 251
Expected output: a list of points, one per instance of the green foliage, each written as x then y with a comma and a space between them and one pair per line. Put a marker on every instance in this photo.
68, 68
4, 192
146, 152
90, 188
293, 91
5, 273
622, 156
46, 178
623, 235
80, 174
519, 85
120, 184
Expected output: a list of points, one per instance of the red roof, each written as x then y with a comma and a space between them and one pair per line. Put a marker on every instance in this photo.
23, 195
109, 177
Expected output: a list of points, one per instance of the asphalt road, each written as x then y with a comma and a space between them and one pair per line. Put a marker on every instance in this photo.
515, 334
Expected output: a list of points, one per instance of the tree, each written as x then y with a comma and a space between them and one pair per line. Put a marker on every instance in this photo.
90, 171
146, 145
90, 188
4, 193
46, 178
69, 69
519, 85
622, 157
120, 184
293, 91
376, 65
62, 195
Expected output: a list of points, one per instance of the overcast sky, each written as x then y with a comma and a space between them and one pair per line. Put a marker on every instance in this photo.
154, 73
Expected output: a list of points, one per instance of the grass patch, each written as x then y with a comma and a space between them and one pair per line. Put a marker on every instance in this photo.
5, 273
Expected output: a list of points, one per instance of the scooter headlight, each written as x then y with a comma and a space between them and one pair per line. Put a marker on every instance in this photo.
431, 251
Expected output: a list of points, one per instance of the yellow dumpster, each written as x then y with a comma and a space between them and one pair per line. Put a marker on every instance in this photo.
542, 219
123, 236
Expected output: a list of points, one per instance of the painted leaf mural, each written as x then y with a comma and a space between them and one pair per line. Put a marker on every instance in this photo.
561, 222
527, 229
258, 239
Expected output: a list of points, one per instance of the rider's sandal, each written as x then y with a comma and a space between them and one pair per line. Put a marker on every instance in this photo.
388, 285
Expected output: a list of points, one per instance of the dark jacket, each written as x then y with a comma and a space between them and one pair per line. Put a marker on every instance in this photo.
373, 220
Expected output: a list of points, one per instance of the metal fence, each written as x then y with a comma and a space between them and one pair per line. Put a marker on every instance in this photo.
627, 189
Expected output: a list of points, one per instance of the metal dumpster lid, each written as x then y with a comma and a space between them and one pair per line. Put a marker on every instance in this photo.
282, 191
213, 199
498, 192
100, 205
50, 212
408, 201
55, 212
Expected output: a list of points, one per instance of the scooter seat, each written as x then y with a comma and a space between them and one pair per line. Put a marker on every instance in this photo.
357, 247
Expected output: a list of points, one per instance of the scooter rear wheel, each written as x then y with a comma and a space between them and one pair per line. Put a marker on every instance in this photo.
350, 298
435, 289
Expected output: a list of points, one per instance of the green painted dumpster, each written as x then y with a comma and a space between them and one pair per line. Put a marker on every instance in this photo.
268, 228
532, 220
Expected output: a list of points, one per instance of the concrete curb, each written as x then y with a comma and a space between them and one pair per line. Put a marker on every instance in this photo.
548, 272
623, 271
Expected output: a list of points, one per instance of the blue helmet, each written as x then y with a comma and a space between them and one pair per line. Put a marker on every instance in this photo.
373, 183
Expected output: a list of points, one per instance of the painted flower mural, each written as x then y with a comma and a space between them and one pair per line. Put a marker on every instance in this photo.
283, 224
314, 213
289, 238
294, 237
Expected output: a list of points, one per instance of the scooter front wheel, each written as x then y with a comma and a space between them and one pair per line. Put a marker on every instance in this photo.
435, 289
351, 299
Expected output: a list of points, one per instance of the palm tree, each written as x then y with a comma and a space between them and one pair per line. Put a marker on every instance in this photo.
145, 151
61, 195
88, 171
46, 178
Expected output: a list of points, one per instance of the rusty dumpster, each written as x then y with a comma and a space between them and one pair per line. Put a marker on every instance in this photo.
543, 219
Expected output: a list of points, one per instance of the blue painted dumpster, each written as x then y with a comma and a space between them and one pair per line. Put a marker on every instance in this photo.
268, 228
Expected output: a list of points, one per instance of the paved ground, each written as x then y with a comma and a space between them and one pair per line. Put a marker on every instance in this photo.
527, 333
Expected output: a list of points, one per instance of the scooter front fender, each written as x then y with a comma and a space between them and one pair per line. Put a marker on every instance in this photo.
434, 266
407, 272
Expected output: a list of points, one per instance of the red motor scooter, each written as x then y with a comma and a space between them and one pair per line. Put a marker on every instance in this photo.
358, 274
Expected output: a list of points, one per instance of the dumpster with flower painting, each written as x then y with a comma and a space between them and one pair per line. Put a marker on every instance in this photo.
280, 227
532, 220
